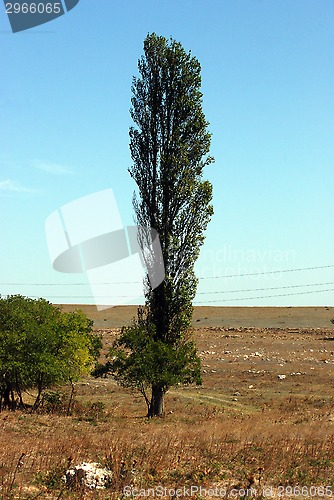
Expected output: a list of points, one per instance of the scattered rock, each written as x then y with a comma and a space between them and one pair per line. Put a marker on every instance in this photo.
89, 474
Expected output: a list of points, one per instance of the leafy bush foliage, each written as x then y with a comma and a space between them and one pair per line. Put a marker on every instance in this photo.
41, 346
141, 360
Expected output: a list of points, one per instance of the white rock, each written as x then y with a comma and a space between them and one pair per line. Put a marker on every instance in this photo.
281, 377
89, 474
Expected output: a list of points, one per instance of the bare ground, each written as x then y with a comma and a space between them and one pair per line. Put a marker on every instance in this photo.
261, 317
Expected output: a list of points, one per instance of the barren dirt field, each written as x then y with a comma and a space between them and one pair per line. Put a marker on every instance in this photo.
260, 426
272, 317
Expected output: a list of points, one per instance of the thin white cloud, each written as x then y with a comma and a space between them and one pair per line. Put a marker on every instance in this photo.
53, 168
10, 186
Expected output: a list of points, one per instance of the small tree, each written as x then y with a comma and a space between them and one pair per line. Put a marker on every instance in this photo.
41, 346
142, 361
169, 146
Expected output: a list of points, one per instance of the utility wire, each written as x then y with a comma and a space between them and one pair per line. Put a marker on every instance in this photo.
264, 296
206, 293
266, 272
267, 288
200, 278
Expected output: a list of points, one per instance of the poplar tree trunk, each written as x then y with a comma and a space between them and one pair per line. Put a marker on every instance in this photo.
157, 405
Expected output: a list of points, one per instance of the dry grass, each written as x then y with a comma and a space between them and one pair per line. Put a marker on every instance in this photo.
243, 427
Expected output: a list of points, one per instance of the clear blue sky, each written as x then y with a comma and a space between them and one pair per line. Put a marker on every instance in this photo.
268, 82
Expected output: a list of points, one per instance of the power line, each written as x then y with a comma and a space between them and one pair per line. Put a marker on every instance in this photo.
200, 302
264, 296
211, 293
200, 278
266, 272
267, 288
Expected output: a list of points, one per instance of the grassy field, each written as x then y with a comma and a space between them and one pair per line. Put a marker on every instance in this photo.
260, 426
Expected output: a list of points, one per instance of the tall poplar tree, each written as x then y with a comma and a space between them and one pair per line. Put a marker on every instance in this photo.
169, 146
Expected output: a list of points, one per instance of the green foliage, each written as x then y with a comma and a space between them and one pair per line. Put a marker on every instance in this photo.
140, 360
41, 346
169, 146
